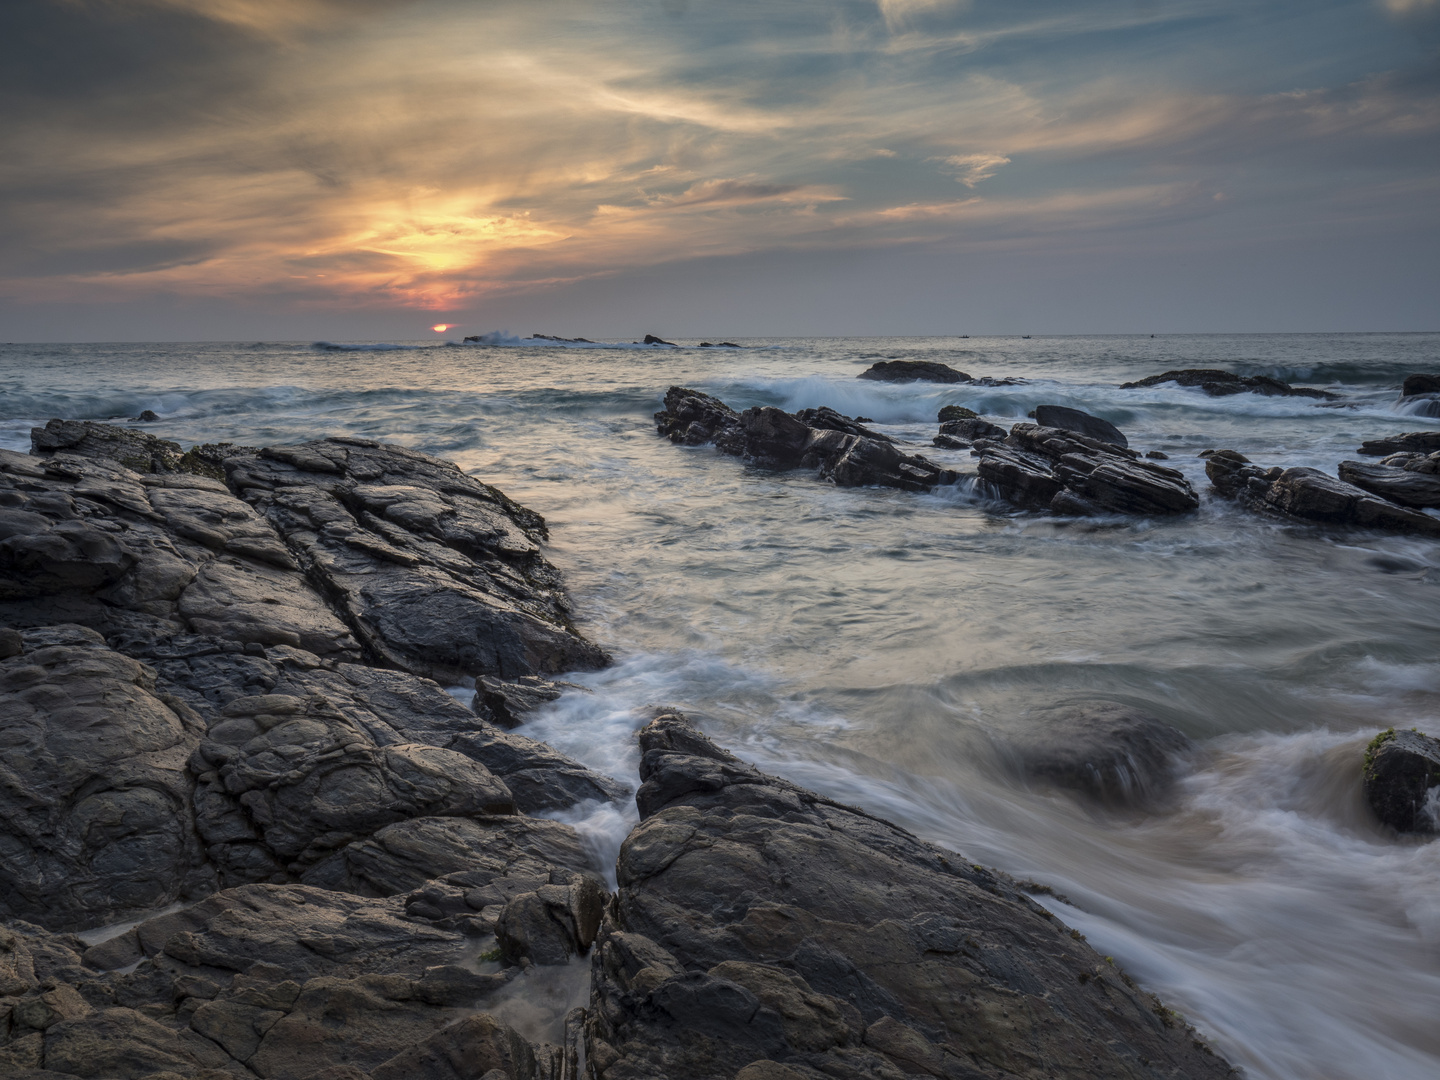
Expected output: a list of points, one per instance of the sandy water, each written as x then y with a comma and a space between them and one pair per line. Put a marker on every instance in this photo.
878, 645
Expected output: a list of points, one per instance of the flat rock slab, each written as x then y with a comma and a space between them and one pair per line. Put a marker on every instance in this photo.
913, 371
435, 572
763, 931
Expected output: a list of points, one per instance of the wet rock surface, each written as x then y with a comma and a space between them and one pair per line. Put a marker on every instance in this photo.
1311, 495
1421, 442
762, 931
837, 447
1399, 483
913, 371
1401, 776
1218, 383
1095, 427
1065, 472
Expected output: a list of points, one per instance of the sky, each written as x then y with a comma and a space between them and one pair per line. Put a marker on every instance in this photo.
365, 169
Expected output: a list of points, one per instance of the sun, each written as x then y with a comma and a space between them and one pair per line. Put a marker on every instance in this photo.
440, 328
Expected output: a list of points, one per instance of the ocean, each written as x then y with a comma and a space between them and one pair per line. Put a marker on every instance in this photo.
881, 646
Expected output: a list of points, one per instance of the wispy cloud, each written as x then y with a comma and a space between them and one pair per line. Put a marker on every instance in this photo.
970, 169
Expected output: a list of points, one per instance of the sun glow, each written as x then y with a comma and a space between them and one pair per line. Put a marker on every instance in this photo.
440, 328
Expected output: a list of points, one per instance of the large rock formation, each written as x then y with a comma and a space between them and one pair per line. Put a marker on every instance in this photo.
838, 448
1219, 383
1411, 442
1066, 419
913, 371
763, 932
1410, 480
1065, 472
1311, 495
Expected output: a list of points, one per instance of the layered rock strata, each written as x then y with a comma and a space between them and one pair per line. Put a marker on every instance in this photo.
1064, 472
766, 933
838, 448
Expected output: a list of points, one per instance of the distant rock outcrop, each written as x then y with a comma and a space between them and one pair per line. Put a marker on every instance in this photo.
1218, 383
913, 371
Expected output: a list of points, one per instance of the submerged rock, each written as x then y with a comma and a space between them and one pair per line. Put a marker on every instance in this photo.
839, 448
1401, 775
1065, 472
913, 371
1218, 383
1058, 416
1110, 752
765, 932
1311, 495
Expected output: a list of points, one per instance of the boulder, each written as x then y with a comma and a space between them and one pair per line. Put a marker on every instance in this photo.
1058, 416
827, 419
913, 371
94, 797
957, 434
1401, 776
1398, 484
691, 418
435, 572
764, 931
1420, 384
1066, 472
508, 704
1422, 442
955, 412
1219, 383
1110, 752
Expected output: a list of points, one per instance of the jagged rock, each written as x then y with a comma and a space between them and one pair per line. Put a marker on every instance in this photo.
827, 419
138, 451
1311, 495
95, 803
761, 927
85, 540
435, 572
1219, 383
1069, 473
1421, 442
552, 923
955, 412
1413, 461
651, 339
1110, 752
1401, 774
1058, 416
1420, 384
1398, 484
509, 704
913, 371
774, 438
958, 434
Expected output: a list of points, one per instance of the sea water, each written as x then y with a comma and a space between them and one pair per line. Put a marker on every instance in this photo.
879, 645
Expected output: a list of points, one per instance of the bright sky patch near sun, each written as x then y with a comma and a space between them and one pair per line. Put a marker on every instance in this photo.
442, 155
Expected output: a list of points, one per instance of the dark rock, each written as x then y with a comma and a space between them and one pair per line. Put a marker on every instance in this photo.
564, 340
553, 923
1219, 383
509, 704
956, 412
651, 339
1058, 416
1112, 753
94, 796
718, 345
1398, 484
1156, 455
913, 371
1069, 473
472, 337
1311, 495
148, 416
1422, 442
476, 1048
774, 438
1420, 384
435, 572
1401, 774
966, 431
1422, 405
764, 931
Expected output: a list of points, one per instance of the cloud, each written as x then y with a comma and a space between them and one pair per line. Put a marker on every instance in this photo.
970, 169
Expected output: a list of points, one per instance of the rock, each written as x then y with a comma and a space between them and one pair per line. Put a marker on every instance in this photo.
913, 371
1311, 495
148, 416
1219, 383
85, 540
1420, 384
509, 704
553, 337
651, 339
1110, 752
94, 796
1069, 473
776, 439
552, 923
956, 412
1397, 484
1058, 416
1157, 455
719, 345
476, 1048
765, 931
955, 434
1423, 442
1401, 774
1422, 405
436, 573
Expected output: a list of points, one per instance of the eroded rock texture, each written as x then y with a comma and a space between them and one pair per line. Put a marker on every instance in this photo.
1311, 495
1218, 383
838, 448
1065, 472
764, 932
435, 572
